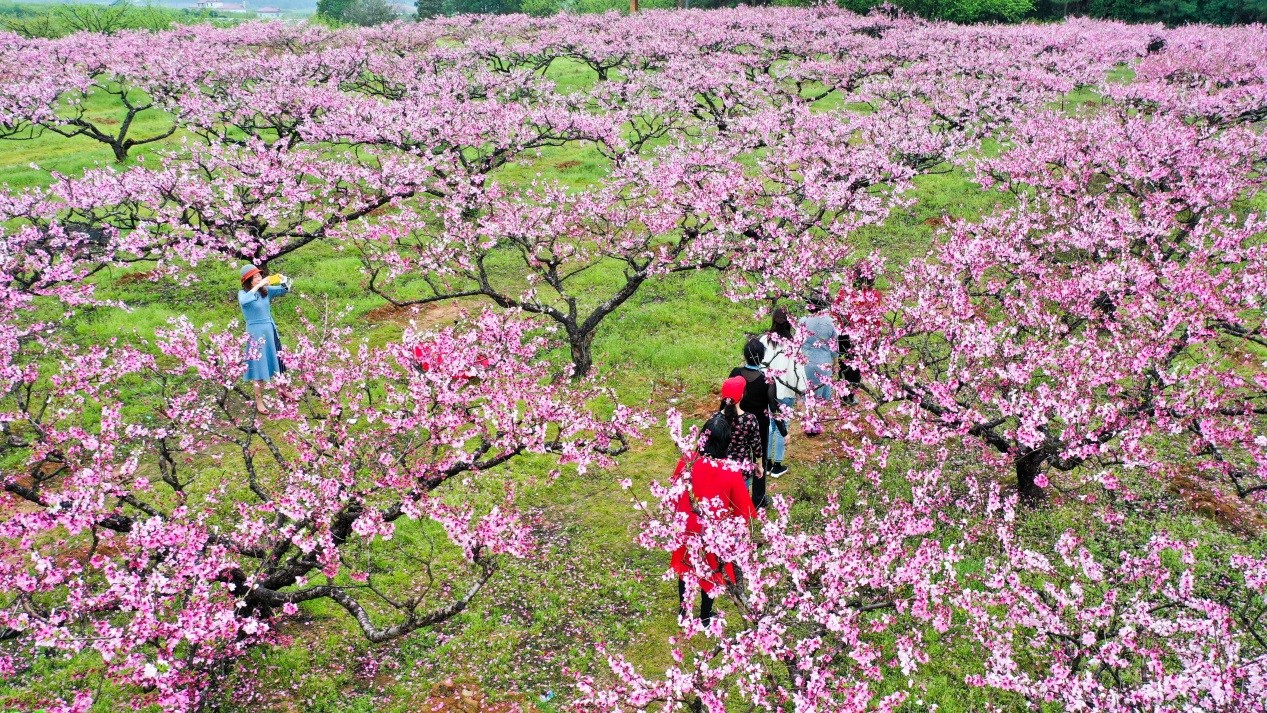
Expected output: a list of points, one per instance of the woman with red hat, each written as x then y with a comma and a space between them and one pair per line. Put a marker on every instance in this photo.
760, 398
713, 479
745, 449
255, 298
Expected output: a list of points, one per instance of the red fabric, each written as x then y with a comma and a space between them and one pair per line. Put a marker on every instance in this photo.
712, 479
863, 308
427, 359
733, 387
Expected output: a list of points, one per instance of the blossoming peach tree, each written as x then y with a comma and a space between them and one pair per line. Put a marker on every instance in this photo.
154, 522
1112, 311
899, 581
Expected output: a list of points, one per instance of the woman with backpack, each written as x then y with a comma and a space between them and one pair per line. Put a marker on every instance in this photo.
788, 374
714, 484
761, 400
744, 450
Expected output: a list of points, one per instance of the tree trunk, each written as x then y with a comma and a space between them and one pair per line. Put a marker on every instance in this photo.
120, 151
1027, 469
582, 353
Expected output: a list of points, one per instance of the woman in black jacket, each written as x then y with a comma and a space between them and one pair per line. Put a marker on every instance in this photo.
761, 399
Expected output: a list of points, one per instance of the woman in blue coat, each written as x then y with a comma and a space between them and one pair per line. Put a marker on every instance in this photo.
255, 298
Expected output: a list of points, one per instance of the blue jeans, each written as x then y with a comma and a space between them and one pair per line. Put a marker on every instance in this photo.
778, 442
817, 374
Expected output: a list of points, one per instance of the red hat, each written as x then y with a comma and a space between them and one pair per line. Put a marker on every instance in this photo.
248, 271
733, 387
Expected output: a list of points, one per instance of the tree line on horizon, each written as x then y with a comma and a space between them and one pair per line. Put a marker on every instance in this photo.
56, 20
1168, 12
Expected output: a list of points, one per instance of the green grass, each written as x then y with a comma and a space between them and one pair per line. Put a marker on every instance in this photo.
35, 161
58, 19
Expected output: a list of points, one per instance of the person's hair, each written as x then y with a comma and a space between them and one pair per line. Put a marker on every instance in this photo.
715, 436
780, 324
730, 410
247, 281
754, 352
816, 301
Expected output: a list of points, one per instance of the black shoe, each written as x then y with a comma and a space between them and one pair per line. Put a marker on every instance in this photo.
777, 469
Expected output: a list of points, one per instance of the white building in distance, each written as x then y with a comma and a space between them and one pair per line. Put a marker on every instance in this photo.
220, 5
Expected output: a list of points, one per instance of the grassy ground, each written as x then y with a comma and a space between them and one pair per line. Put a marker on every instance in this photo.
541, 619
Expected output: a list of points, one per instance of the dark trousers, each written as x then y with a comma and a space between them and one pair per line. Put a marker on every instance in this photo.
758, 484
758, 491
848, 373
705, 602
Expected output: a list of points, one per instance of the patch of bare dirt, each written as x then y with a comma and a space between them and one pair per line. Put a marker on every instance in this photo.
697, 409
12, 504
567, 165
809, 449
466, 697
81, 553
1231, 513
433, 315
824, 447
134, 277
673, 393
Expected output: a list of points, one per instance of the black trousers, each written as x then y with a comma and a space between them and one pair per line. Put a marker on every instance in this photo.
758, 484
848, 373
705, 602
